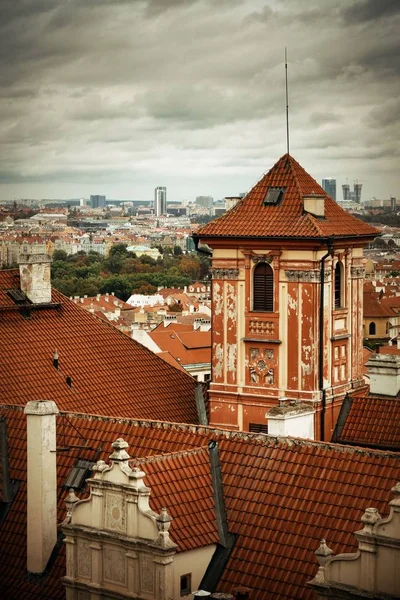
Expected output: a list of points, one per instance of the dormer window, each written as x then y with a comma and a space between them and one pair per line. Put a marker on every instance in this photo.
274, 195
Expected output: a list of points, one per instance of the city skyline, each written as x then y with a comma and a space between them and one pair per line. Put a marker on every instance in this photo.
121, 95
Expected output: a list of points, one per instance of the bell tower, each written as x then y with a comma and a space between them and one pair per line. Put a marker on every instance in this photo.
287, 291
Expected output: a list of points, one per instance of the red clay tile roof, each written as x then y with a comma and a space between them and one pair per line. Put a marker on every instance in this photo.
374, 308
373, 421
190, 348
250, 218
282, 496
111, 373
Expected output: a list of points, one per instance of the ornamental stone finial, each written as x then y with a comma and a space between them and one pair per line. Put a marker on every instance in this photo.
119, 450
369, 518
396, 500
163, 522
70, 502
323, 553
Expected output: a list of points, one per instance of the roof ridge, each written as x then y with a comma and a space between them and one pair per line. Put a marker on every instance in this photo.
230, 434
177, 453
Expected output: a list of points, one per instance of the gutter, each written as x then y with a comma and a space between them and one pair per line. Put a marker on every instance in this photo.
329, 244
203, 249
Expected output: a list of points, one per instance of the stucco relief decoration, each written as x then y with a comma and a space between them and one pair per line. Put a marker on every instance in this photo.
306, 276
261, 327
146, 574
84, 558
114, 565
260, 258
260, 367
357, 272
225, 273
115, 512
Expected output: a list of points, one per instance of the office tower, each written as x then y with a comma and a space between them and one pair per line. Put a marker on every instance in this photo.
357, 193
97, 201
160, 201
329, 186
205, 201
346, 191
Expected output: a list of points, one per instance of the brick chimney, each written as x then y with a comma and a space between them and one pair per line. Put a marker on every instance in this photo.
34, 270
41, 483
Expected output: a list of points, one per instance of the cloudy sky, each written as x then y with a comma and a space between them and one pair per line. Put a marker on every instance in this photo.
119, 96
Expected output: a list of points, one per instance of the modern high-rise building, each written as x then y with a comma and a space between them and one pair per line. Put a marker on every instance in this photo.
329, 185
355, 195
346, 191
160, 201
97, 201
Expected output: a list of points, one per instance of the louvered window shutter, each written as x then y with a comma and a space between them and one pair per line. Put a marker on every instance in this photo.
263, 288
338, 285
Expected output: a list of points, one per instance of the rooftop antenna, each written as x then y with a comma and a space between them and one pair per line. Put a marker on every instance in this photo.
287, 103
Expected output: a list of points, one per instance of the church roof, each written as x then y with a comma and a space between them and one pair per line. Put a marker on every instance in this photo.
257, 215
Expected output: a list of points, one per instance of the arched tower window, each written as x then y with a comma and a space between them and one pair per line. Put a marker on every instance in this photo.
339, 289
372, 328
263, 288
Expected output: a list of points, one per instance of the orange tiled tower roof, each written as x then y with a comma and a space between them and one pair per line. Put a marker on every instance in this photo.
286, 219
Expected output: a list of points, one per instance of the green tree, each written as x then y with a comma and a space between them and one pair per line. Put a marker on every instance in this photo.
60, 255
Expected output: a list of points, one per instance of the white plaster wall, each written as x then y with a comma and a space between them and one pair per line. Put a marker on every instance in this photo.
301, 425
194, 562
384, 383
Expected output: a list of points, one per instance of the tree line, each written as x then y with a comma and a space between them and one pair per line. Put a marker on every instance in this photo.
124, 273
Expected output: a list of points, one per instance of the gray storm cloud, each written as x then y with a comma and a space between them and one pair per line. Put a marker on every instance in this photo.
192, 93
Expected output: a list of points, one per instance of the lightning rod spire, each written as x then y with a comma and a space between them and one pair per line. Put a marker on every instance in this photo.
287, 103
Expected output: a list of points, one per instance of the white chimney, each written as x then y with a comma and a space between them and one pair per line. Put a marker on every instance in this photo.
291, 418
41, 483
34, 270
384, 374
314, 204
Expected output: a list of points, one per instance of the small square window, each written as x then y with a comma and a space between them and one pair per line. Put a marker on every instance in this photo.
186, 584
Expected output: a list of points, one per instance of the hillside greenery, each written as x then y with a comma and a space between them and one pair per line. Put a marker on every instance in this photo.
123, 273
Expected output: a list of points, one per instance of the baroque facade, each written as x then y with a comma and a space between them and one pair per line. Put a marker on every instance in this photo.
287, 288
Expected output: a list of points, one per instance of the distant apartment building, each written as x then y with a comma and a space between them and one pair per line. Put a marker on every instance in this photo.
97, 201
206, 201
160, 201
11, 250
388, 203
329, 185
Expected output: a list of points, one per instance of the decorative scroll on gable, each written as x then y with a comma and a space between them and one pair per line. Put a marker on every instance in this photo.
114, 540
371, 571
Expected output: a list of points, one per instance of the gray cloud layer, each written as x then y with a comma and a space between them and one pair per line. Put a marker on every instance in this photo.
134, 93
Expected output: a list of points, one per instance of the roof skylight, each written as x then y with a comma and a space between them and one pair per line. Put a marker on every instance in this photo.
274, 195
